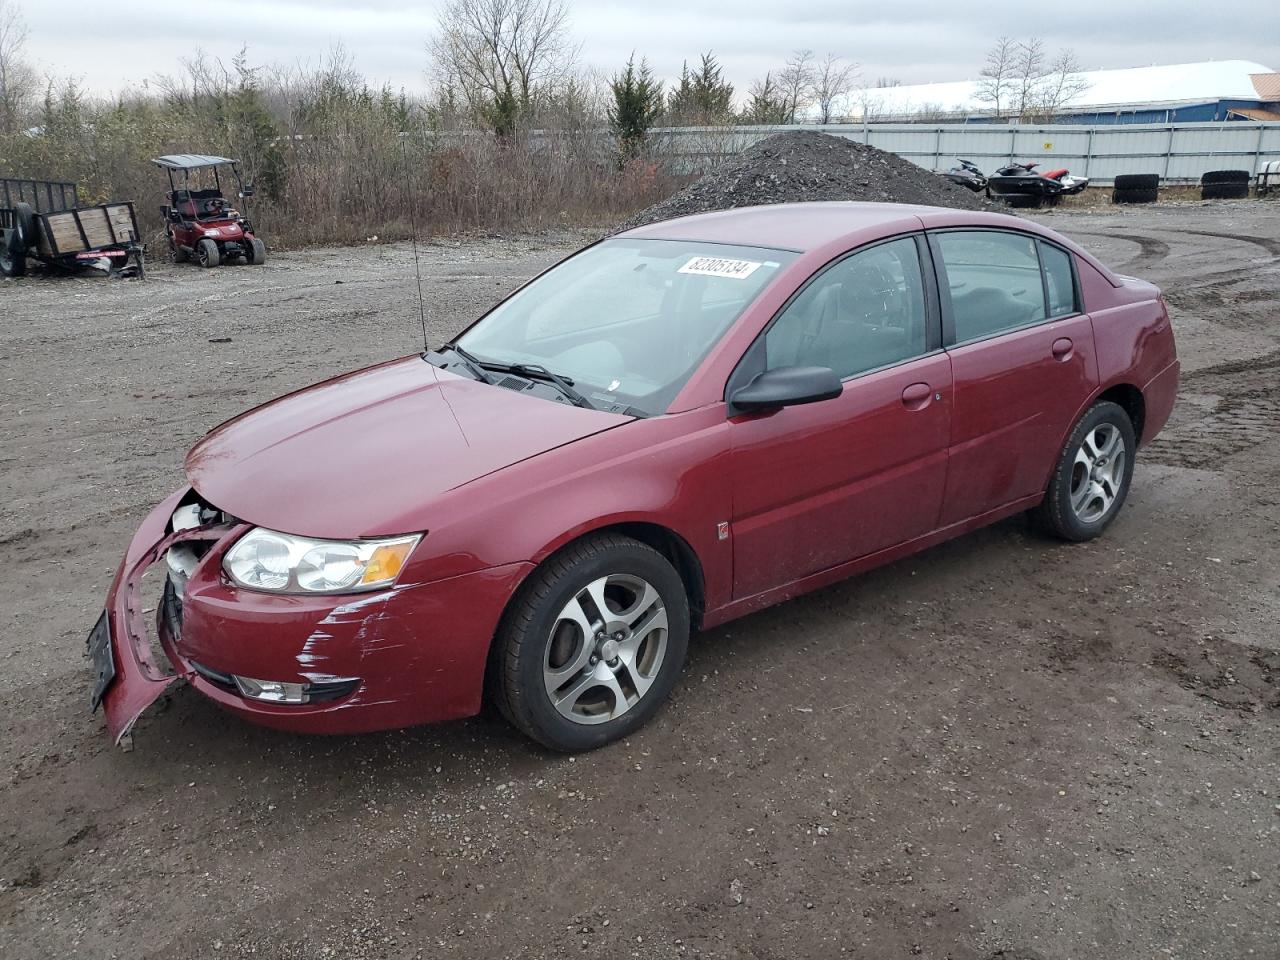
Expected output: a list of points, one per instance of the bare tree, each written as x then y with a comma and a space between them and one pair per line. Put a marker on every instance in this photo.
1060, 85
502, 55
833, 78
1028, 76
17, 79
795, 83
997, 75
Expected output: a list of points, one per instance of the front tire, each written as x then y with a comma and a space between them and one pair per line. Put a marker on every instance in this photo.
207, 254
592, 645
1092, 477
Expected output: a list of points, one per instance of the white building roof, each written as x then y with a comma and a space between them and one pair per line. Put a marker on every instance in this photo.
1135, 86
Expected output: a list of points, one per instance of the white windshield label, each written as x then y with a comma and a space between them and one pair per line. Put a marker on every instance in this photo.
719, 267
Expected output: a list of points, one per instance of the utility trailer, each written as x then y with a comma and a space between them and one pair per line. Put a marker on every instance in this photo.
43, 220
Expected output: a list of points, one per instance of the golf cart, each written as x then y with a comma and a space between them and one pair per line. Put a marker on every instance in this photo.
201, 223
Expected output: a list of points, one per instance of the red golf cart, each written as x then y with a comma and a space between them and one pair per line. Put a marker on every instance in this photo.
201, 223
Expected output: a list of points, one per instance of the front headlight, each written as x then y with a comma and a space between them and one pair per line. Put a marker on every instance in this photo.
282, 563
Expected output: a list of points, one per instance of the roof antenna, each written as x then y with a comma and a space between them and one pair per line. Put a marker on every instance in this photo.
413, 229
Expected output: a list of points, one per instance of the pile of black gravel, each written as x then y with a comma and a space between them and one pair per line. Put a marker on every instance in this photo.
807, 165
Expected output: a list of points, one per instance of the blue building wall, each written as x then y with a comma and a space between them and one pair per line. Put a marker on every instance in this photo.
1189, 113
1193, 113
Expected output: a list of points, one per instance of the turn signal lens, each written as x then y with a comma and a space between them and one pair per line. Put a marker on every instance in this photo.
387, 561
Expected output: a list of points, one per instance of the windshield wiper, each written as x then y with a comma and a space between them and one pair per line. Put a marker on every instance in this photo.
564, 384
471, 362
537, 371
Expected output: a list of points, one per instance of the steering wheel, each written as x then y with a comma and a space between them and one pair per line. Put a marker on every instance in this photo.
214, 205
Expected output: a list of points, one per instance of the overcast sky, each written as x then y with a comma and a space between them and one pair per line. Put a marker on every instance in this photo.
114, 45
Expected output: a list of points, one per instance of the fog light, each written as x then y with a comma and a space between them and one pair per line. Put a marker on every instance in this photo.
272, 691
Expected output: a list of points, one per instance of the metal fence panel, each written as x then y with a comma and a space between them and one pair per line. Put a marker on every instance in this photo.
1177, 152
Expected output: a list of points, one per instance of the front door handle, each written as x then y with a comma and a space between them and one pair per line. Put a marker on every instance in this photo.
917, 396
1063, 348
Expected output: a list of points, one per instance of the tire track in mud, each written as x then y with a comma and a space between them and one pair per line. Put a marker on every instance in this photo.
1266, 243
1152, 250
1247, 414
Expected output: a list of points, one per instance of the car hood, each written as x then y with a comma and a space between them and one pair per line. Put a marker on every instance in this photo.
357, 455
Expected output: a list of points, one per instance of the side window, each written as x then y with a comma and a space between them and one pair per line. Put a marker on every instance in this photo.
866, 311
994, 280
1060, 280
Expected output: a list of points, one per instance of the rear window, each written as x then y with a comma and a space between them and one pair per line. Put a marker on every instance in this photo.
994, 281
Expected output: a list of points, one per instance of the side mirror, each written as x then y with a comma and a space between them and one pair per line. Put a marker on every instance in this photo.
786, 387
246, 192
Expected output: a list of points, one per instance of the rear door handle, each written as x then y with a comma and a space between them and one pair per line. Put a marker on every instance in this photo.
917, 396
1063, 348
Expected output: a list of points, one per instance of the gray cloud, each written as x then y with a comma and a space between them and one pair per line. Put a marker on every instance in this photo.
110, 47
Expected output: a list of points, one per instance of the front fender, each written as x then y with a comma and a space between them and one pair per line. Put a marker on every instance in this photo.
665, 471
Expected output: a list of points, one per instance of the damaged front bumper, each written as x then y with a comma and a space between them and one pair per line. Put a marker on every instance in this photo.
411, 654
127, 678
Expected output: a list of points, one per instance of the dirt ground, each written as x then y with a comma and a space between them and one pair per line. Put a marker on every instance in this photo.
1002, 748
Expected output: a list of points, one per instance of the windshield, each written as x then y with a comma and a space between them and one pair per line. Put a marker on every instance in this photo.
627, 321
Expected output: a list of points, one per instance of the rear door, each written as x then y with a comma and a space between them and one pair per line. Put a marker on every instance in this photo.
1022, 355
818, 485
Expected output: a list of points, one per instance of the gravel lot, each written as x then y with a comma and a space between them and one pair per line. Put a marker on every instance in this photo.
1002, 748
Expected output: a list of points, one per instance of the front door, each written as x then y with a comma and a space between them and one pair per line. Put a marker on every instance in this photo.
815, 486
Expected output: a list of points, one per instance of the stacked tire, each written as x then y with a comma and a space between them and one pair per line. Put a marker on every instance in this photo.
1136, 188
1224, 185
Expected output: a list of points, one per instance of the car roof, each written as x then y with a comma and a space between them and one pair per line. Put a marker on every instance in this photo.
190, 161
808, 226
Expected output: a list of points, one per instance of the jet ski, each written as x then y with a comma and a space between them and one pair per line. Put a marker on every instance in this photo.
1021, 179
966, 174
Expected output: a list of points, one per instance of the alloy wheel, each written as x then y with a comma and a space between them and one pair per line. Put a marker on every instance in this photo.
605, 649
1097, 473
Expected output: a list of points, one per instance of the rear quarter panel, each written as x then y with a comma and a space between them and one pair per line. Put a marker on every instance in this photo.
1134, 341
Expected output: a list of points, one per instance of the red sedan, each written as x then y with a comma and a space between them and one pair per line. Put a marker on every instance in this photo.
671, 428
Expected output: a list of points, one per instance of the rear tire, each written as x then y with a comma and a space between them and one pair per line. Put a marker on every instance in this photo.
176, 253
256, 252
1024, 201
574, 677
207, 253
1091, 479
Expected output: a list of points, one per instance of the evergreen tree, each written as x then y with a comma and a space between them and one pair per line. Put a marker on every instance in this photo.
637, 104
702, 97
767, 102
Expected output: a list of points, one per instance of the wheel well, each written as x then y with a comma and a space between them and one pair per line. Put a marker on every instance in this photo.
1130, 398
667, 542
676, 549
